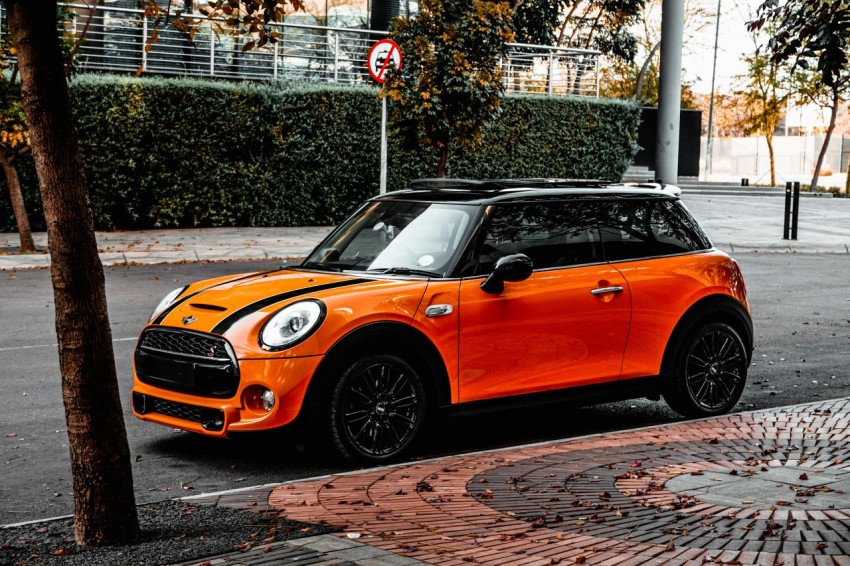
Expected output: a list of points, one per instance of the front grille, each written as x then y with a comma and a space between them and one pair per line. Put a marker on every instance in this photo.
185, 361
186, 343
176, 410
210, 419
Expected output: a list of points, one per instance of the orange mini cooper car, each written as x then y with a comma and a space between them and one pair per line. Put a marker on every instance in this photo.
457, 293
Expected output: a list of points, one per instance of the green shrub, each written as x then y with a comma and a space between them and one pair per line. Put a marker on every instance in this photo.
184, 153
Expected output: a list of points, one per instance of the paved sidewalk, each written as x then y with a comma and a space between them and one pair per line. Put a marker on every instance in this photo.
734, 223
766, 487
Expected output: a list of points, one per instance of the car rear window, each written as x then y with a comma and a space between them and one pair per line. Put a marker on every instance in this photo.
639, 229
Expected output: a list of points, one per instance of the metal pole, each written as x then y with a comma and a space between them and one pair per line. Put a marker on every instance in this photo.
336, 59
669, 91
383, 188
711, 100
796, 213
144, 41
597, 75
276, 52
212, 53
786, 223
551, 72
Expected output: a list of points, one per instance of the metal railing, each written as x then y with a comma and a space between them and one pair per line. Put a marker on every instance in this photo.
113, 39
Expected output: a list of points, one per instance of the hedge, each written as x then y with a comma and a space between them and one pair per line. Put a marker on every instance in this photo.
184, 153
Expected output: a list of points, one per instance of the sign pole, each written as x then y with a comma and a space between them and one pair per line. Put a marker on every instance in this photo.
383, 189
383, 54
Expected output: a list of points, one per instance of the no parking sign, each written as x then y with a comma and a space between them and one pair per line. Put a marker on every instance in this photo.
382, 54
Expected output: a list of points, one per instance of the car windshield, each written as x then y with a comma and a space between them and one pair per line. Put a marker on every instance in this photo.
396, 237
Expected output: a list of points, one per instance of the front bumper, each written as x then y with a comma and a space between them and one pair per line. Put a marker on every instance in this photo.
288, 378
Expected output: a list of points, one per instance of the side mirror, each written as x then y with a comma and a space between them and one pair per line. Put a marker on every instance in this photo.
515, 267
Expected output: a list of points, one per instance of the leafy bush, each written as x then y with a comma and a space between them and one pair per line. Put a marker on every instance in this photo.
184, 153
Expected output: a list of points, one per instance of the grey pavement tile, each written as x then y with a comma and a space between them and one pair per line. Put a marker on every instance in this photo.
689, 482
358, 553
329, 543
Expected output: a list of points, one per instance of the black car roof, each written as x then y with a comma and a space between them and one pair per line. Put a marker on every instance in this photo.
497, 190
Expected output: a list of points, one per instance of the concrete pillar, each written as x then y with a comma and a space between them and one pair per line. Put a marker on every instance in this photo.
670, 91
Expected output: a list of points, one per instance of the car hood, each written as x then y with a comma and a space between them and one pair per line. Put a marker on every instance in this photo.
216, 307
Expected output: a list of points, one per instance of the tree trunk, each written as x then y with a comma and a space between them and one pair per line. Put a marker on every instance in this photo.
836, 99
769, 139
18, 206
441, 164
642, 74
104, 506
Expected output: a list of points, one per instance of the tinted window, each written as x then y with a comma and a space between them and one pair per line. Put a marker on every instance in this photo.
556, 234
636, 229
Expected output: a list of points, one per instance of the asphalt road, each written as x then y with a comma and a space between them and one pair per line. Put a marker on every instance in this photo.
801, 308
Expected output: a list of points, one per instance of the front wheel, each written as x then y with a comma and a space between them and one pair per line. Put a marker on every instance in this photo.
377, 409
709, 373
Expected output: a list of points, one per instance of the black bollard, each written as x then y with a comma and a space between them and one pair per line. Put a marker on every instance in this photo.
795, 210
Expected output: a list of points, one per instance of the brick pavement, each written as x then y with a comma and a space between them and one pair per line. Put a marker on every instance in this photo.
765, 487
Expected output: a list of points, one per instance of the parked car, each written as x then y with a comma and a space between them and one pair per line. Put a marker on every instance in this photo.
462, 294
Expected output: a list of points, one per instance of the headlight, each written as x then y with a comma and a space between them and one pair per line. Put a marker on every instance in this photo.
167, 300
292, 325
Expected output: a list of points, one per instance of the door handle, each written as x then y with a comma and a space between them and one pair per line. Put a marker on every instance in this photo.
603, 290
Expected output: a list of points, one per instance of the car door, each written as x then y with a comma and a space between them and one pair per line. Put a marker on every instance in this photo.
566, 325
661, 251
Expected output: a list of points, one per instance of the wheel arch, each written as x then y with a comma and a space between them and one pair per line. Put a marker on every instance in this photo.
401, 338
713, 308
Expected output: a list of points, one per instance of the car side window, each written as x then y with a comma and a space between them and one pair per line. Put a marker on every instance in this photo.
552, 234
636, 229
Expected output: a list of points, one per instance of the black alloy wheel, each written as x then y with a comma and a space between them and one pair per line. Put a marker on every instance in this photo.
711, 372
377, 409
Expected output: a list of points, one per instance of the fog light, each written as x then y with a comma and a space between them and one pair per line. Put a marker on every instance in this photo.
267, 398
259, 399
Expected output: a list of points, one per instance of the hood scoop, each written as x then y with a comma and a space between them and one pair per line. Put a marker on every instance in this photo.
206, 307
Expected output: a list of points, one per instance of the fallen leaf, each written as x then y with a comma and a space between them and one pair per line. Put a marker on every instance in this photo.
804, 476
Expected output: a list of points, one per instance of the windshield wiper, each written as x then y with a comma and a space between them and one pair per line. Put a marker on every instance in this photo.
404, 271
319, 266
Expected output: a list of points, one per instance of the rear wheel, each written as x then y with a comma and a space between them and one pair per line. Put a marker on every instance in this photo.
377, 408
709, 373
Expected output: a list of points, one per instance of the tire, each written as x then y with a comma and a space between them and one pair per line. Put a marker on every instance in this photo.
377, 409
709, 372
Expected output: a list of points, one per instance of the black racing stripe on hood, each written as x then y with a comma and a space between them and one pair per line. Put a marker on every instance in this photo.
161, 316
232, 319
